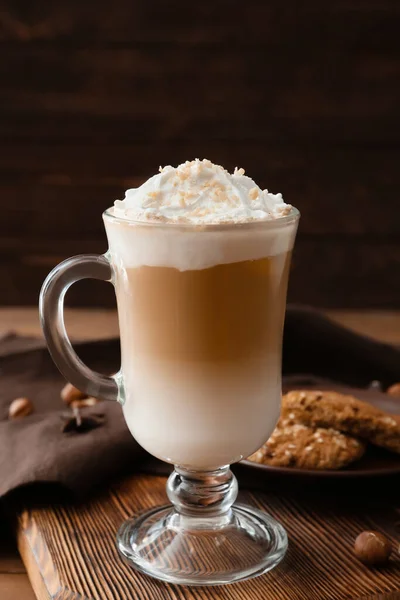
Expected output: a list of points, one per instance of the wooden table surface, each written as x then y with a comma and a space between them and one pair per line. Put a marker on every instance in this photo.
14, 583
70, 553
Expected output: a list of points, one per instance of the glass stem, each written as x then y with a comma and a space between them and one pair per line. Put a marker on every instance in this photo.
202, 493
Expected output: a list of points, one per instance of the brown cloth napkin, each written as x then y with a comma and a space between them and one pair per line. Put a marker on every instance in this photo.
34, 449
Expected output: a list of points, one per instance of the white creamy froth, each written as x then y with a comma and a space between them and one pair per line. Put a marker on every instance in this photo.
199, 192
194, 195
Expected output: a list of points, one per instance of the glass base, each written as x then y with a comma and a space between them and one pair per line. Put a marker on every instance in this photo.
183, 549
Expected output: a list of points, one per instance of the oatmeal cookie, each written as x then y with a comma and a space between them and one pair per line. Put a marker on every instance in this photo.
294, 445
345, 414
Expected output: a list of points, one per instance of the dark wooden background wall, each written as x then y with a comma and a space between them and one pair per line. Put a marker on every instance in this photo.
305, 95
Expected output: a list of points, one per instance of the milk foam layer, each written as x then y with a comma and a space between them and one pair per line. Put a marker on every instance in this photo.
199, 192
136, 245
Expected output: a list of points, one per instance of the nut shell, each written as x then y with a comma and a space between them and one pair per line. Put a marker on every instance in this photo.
69, 393
372, 548
20, 407
394, 390
84, 402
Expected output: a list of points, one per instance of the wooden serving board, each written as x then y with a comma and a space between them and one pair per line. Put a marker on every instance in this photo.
69, 549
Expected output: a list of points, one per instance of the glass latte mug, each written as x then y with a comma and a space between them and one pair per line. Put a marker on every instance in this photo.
201, 313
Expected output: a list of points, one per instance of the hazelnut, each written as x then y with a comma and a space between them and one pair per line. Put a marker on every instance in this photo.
372, 548
394, 390
84, 402
69, 393
20, 407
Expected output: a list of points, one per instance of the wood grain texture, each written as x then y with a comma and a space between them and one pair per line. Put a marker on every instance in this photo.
338, 193
71, 21
304, 95
70, 553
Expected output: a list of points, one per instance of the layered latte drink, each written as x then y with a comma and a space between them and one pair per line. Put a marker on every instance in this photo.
201, 260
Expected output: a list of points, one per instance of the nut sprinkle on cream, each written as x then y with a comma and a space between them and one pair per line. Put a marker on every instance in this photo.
200, 192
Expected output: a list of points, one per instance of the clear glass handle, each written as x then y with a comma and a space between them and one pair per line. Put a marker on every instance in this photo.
51, 309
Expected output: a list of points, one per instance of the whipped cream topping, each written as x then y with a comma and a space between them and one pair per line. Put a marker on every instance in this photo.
200, 192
